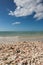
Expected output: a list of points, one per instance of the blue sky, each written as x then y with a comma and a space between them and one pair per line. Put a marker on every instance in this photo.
16, 16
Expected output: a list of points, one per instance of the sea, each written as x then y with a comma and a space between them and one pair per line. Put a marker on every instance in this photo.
15, 36
21, 33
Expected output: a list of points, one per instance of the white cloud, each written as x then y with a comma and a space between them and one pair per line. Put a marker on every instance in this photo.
11, 13
16, 23
27, 7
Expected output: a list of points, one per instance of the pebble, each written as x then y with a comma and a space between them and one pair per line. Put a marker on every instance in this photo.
22, 53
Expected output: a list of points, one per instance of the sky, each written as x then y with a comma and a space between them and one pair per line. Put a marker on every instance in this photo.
21, 15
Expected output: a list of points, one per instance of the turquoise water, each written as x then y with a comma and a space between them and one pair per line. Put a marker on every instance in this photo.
21, 33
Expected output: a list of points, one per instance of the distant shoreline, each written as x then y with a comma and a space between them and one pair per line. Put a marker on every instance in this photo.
11, 36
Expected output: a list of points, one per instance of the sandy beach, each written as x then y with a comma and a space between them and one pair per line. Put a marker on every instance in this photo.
15, 52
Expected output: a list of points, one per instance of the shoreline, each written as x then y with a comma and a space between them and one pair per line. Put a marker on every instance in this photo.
13, 39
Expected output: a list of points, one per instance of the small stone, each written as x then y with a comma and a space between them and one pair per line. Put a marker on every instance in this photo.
17, 51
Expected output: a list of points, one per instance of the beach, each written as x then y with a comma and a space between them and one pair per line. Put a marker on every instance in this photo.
18, 50
21, 32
